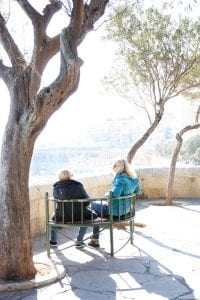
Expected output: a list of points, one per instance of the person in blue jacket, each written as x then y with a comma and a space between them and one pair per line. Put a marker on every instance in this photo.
125, 182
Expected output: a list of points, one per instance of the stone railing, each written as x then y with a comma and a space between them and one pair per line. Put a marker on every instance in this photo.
153, 183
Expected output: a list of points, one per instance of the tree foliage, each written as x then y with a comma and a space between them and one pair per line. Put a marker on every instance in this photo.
190, 151
156, 51
157, 59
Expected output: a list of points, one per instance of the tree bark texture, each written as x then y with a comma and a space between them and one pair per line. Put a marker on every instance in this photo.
30, 110
16, 246
146, 135
169, 197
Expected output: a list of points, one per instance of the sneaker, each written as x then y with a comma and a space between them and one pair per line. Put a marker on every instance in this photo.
79, 244
53, 244
94, 243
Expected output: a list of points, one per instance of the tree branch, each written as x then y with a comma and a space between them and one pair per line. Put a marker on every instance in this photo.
14, 54
92, 13
44, 47
39, 21
83, 18
35, 17
52, 97
71, 34
187, 128
197, 115
50, 10
5, 72
33, 14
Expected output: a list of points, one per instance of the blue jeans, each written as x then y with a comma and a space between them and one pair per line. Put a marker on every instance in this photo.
101, 210
53, 234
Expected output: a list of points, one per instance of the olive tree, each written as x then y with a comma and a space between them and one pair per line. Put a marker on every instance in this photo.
190, 150
192, 95
30, 109
179, 138
155, 61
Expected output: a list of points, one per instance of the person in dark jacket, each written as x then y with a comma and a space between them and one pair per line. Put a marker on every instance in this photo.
67, 189
124, 183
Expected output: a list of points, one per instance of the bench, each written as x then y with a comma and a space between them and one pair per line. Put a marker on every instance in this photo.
109, 223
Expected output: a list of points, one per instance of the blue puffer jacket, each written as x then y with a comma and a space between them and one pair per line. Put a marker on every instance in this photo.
123, 185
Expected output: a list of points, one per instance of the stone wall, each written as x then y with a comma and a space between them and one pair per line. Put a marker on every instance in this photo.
153, 183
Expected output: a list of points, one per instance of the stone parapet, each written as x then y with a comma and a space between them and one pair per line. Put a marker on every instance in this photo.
153, 183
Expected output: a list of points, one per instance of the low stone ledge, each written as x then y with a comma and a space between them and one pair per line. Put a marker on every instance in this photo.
153, 183
57, 272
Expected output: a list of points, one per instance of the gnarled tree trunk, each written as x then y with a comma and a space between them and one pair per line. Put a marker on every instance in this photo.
16, 248
30, 110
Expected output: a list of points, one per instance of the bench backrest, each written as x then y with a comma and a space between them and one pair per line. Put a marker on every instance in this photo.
78, 211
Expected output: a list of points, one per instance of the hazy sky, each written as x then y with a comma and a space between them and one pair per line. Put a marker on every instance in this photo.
90, 105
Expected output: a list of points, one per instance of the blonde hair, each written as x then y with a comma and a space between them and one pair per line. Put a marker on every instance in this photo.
65, 175
124, 166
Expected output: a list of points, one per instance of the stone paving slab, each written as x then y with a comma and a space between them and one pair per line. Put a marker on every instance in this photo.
163, 263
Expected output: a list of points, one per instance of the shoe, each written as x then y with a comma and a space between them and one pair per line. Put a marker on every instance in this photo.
79, 244
94, 243
53, 244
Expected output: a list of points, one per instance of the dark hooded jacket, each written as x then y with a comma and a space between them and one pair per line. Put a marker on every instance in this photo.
67, 190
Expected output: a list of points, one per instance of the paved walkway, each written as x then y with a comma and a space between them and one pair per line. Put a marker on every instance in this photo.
164, 262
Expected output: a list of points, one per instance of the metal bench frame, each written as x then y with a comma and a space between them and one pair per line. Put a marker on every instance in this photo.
109, 223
